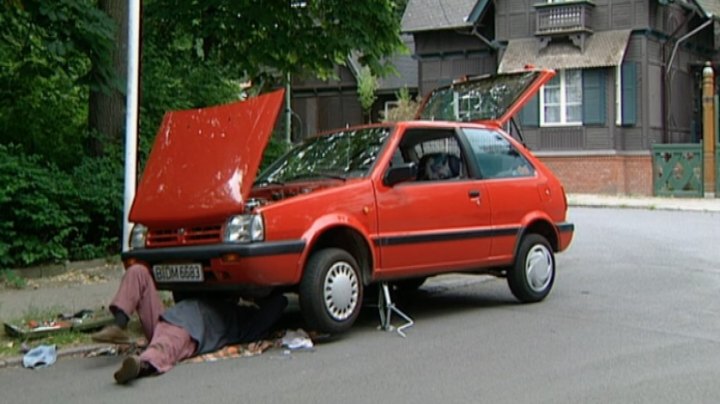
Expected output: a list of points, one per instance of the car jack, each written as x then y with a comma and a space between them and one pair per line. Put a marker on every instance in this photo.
386, 307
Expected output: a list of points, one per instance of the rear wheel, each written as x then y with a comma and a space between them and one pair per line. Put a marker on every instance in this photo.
331, 291
533, 274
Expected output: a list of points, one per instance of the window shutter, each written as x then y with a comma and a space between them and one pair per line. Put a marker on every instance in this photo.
593, 103
629, 93
530, 113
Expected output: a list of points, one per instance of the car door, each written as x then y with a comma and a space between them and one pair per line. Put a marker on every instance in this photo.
437, 222
513, 188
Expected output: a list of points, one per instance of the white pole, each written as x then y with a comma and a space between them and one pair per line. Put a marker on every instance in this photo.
131, 115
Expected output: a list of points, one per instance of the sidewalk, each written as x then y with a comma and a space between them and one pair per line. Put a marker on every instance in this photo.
69, 288
645, 202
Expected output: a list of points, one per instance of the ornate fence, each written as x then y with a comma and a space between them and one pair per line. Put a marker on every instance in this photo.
678, 170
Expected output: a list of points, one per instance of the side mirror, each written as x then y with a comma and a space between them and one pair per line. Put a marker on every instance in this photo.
400, 173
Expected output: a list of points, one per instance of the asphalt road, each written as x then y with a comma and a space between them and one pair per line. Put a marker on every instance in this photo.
634, 318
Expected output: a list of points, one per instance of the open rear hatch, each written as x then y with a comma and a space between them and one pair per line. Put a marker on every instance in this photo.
491, 100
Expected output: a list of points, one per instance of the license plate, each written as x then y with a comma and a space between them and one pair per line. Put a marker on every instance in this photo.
178, 273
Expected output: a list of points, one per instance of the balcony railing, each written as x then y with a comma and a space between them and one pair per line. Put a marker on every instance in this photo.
563, 17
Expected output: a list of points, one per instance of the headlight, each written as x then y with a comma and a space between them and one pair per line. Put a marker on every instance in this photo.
244, 228
138, 236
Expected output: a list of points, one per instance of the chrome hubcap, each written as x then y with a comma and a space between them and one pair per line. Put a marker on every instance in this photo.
341, 290
539, 268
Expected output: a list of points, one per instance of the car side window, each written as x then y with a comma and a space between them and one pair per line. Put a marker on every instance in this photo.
436, 153
495, 156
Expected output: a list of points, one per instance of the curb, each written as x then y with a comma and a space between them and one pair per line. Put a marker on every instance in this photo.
649, 203
43, 271
16, 361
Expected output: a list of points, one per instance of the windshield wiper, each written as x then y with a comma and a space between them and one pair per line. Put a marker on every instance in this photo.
268, 182
316, 174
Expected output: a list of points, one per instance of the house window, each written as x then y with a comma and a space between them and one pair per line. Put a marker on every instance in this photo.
561, 99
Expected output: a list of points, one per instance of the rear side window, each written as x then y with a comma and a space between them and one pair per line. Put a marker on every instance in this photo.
495, 156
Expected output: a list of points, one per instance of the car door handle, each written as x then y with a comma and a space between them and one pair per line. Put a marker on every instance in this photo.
474, 193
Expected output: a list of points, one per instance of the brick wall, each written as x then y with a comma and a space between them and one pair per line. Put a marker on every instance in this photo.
613, 175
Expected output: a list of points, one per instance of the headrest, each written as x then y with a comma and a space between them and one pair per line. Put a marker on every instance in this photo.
439, 166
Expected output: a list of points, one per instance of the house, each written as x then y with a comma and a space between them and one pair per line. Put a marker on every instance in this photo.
320, 105
627, 75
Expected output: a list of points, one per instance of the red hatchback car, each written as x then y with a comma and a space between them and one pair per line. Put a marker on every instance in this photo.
449, 192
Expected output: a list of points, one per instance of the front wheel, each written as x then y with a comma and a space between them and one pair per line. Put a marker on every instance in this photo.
533, 273
331, 291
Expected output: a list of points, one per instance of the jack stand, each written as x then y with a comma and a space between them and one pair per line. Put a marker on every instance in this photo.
387, 307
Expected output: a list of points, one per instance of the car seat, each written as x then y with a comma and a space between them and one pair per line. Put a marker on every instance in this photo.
438, 166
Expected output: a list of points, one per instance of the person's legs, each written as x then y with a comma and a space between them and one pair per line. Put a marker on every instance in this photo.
137, 293
170, 344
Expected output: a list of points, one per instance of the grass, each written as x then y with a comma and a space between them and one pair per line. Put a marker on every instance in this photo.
12, 280
11, 346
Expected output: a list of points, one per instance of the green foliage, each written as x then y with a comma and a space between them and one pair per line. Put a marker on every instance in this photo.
275, 148
98, 183
367, 85
66, 30
406, 108
12, 280
38, 197
58, 203
52, 215
50, 53
255, 37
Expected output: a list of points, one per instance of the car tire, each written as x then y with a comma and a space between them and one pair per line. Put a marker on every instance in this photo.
533, 274
331, 291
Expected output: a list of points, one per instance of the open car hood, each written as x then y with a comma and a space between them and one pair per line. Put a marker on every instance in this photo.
204, 161
487, 99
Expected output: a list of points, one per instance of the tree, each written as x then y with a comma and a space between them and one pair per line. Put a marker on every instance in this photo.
257, 38
196, 53
367, 85
51, 53
106, 110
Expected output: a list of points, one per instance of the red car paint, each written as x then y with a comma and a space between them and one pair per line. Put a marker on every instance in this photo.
204, 162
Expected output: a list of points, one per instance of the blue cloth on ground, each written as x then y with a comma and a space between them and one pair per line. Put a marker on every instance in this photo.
40, 356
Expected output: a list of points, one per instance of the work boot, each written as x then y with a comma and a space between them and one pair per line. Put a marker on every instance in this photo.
133, 368
112, 334
129, 370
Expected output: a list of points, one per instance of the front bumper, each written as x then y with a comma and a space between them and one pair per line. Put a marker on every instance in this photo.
227, 265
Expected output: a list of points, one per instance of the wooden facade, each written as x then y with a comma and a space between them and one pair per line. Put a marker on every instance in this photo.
320, 105
626, 106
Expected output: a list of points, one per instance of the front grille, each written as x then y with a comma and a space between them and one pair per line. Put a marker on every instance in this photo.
184, 236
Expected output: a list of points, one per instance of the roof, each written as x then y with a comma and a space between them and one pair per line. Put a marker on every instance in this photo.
406, 66
602, 49
711, 8
407, 69
430, 15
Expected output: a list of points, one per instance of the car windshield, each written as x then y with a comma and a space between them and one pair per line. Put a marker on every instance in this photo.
477, 100
349, 153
